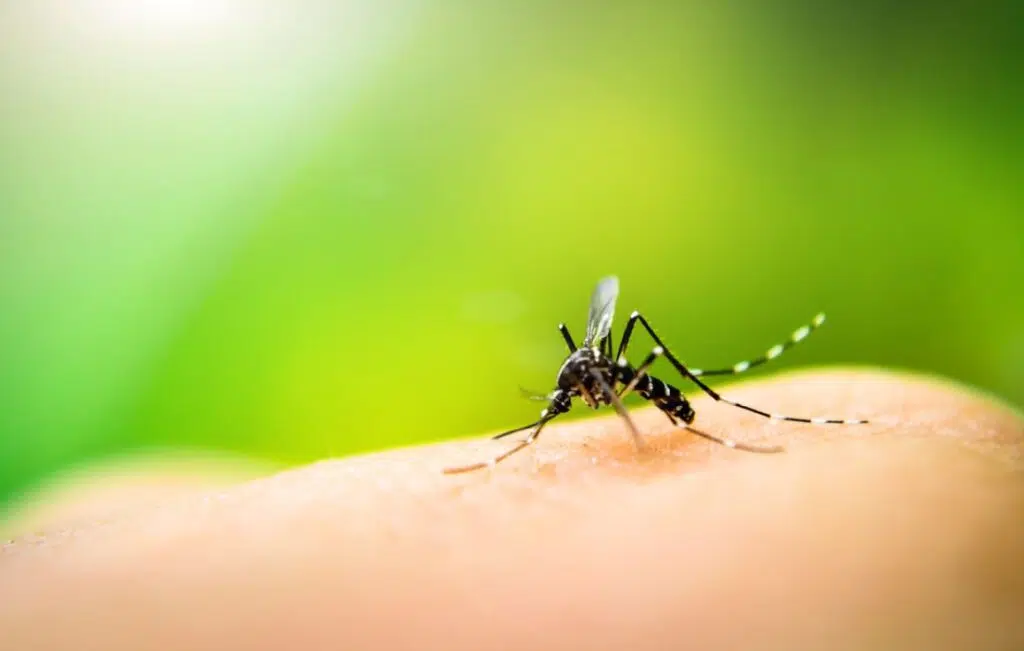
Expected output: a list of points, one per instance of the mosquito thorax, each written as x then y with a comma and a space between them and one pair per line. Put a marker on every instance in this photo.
576, 368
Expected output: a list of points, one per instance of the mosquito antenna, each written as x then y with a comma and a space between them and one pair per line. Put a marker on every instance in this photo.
533, 395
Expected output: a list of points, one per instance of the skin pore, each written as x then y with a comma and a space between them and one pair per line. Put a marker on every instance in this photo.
905, 533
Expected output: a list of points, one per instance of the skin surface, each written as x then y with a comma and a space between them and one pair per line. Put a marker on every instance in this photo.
907, 533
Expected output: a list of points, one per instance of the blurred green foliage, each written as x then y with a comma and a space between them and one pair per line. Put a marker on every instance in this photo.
310, 229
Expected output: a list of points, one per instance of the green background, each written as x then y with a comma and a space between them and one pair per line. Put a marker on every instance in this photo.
296, 230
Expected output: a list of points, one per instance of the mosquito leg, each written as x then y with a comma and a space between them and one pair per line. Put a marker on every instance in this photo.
504, 455
568, 337
685, 372
729, 443
619, 407
626, 335
740, 367
520, 429
640, 371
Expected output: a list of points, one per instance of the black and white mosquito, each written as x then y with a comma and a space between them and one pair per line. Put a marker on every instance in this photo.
593, 373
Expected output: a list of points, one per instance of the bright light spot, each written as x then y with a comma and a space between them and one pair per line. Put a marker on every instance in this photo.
149, 17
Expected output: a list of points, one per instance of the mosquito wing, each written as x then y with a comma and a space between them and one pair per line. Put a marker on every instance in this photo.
602, 310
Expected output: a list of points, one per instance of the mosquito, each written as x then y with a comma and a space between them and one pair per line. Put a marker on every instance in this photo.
599, 374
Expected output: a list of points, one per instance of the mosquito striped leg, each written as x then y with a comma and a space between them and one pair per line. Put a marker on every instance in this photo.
640, 371
619, 407
685, 372
729, 443
740, 367
506, 454
568, 337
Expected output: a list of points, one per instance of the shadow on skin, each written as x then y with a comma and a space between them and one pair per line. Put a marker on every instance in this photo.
904, 533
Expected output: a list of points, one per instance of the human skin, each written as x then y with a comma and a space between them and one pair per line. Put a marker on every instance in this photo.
906, 533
